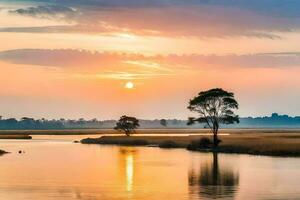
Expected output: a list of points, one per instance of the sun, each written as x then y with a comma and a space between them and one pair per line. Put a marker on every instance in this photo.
129, 85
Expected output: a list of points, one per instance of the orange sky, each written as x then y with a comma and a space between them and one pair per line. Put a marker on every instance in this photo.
71, 60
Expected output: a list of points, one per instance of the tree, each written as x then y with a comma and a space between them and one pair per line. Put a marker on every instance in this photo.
127, 124
163, 122
214, 107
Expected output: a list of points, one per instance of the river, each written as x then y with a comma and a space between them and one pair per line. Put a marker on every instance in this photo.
54, 168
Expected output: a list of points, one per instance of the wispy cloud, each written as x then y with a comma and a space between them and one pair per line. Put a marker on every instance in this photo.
48, 12
91, 65
87, 60
286, 8
119, 75
168, 18
148, 64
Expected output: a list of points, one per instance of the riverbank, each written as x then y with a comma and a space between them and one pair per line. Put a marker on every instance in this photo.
15, 137
254, 143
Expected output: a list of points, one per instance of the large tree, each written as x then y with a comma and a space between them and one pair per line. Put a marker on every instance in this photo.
214, 107
127, 124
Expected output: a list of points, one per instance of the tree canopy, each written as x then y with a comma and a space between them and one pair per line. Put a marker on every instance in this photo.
127, 124
214, 106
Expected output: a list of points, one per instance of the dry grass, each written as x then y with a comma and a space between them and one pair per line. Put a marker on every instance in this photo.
276, 144
258, 142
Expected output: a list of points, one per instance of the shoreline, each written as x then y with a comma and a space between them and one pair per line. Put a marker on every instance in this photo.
268, 142
15, 137
279, 145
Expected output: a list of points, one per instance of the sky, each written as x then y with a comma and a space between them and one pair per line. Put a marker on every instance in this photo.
146, 58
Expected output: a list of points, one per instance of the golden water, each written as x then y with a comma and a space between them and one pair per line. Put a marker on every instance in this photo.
53, 167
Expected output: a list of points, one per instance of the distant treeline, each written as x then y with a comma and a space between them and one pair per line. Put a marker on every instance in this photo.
26, 123
275, 120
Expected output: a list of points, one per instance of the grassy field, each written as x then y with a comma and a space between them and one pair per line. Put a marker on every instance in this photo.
248, 141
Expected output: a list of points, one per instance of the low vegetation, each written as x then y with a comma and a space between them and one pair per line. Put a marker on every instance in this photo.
127, 141
169, 144
203, 143
256, 142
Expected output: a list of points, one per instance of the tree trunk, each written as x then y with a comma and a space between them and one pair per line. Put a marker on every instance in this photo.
127, 133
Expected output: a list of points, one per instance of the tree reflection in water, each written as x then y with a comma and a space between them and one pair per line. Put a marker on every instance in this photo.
213, 182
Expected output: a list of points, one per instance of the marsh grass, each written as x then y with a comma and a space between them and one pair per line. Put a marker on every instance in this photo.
168, 144
202, 143
278, 143
126, 141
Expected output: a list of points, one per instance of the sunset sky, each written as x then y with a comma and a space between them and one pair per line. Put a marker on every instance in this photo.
147, 58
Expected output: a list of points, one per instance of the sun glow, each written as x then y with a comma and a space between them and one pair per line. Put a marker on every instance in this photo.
129, 85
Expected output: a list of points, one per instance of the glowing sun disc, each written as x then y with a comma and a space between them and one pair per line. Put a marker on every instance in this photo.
129, 85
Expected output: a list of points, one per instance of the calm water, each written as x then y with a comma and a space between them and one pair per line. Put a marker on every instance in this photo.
53, 167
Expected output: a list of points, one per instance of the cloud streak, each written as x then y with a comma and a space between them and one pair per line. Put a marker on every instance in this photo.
167, 18
87, 60
286, 8
90, 65
47, 12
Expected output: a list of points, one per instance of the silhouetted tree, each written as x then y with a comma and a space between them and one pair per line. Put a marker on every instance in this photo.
163, 122
127, 124
214, 107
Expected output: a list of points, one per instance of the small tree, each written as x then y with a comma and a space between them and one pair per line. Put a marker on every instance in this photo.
214, 107
127, 124
163, 122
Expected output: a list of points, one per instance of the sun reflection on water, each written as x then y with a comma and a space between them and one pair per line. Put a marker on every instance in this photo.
129, 172
128, 167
